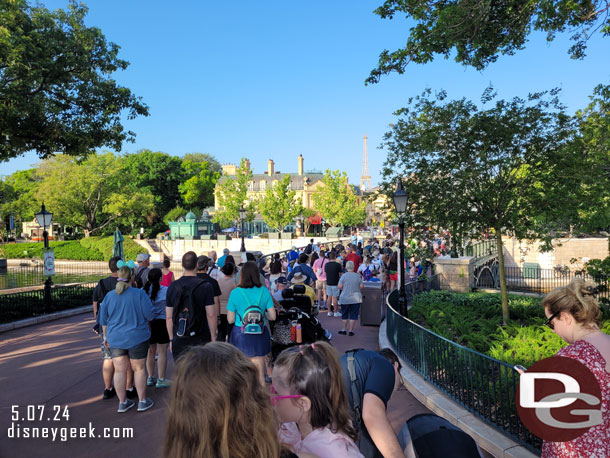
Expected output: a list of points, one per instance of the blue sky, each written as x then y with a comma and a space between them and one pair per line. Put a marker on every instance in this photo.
272, 80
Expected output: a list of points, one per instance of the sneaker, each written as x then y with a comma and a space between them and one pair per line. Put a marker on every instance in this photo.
145, 404
109, 393
132, 394
163, 383
125, 406
150, 381
337, 314
343, 333
350, 334
330, 313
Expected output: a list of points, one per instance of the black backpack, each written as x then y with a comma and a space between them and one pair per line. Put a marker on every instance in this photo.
355, 393
187, 310
138, 280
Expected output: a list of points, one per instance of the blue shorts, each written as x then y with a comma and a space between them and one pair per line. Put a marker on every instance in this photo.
332, 291
350, 311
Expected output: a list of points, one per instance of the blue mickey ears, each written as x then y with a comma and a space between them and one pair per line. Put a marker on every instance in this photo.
130, 264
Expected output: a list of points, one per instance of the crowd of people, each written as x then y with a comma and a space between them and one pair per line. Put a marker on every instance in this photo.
144, 312
216, 320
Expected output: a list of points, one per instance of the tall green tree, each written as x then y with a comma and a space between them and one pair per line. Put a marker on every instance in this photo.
92, 194
232, 193
157, 174
197, 189
337, 201
476, 33
213, 164
20, 196
486, 169
280, 205
56, 84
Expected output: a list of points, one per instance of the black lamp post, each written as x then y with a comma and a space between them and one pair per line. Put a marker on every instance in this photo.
242, 216
401, 198
44, 219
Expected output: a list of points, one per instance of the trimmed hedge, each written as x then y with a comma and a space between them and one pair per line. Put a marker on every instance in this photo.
474, 320
87, 249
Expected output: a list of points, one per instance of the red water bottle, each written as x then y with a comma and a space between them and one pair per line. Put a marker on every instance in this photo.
293, 331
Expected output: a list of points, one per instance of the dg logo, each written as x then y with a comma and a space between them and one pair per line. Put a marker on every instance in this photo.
559, 399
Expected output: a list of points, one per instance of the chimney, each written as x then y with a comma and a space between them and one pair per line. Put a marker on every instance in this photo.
300, 169
270, 167
247, 162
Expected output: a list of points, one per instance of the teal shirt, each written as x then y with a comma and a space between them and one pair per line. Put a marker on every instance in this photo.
237, 303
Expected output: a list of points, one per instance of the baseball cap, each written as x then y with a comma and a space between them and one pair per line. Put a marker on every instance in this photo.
141, 257
281, 280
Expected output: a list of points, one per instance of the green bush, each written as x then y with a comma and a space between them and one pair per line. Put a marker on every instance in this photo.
474, 320
87, 249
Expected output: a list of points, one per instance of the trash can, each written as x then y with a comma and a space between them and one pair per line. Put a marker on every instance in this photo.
531, 270
371, 310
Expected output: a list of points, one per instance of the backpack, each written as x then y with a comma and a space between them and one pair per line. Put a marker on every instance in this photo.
355, 393
308, 249
138, 280
186, 310
367, 274
253, 321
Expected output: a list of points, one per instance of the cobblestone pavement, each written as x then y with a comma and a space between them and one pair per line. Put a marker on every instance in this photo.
57, 364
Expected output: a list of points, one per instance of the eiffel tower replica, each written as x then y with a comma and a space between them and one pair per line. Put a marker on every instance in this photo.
365, 179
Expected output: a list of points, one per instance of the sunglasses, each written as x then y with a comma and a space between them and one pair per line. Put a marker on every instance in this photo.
274, 399
549, 321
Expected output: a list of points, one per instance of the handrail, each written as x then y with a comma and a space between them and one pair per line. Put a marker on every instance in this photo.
482, 248
330, 245
483, 385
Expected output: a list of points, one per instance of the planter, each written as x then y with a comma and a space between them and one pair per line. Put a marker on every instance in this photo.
222, 237
273, 235
286, 235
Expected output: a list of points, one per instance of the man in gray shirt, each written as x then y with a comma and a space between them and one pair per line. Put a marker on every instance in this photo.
350, 299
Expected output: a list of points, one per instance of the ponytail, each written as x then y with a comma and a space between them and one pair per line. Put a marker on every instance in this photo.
124, 280
314, 371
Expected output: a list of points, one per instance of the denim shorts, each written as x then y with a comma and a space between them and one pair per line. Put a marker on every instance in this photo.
332, 291
350, 311
140, 351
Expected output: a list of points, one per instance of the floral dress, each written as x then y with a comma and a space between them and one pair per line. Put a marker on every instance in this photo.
595, 443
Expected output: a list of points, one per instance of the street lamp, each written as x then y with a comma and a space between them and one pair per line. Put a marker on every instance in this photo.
45, 219
242, 216
401, 198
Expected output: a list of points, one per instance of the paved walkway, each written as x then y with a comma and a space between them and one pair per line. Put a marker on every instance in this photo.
58, 364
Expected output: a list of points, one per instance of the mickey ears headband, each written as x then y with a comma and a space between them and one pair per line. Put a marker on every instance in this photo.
130, 264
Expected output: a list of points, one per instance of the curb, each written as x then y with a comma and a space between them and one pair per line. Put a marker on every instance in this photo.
44, 318
487, 437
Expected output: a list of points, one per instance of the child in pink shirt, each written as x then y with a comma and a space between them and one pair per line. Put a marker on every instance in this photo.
310, 400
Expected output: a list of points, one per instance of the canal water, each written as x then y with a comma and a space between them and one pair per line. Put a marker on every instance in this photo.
19, 277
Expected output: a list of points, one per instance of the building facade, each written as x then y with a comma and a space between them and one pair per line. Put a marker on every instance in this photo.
304, 184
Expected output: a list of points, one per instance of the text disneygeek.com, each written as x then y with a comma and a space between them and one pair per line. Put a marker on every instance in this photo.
20, 429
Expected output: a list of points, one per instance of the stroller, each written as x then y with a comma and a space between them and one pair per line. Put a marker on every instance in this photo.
298, 310
430, 436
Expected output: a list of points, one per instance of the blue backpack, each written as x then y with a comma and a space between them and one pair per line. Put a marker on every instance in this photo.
253, 321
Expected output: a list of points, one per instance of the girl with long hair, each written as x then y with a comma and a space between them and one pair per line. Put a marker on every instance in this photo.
249, 306
159, 338
218, 408
310, 400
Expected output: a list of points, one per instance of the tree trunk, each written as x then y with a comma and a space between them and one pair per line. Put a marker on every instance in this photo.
503, 289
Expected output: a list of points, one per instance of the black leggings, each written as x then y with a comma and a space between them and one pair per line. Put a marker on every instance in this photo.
224, 328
